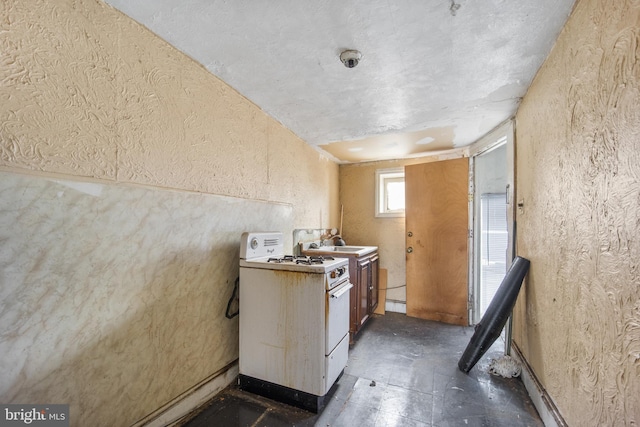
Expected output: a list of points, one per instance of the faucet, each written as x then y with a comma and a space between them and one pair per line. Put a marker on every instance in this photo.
330, 239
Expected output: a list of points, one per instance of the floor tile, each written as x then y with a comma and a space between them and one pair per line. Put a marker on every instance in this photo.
355, 415
390, 419
401, 371
407, 403
367, 392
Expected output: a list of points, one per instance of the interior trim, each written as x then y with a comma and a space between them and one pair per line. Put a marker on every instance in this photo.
182, 407
547, 410
395, 306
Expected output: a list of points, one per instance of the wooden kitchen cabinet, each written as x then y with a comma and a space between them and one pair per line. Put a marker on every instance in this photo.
363, 272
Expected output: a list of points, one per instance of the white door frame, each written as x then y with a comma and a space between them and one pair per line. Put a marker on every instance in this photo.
503, 134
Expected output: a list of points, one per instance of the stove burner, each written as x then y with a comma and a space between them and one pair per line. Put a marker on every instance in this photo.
307, 260
313, 259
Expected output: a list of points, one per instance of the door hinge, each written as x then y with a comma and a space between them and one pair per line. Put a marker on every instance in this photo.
470, 233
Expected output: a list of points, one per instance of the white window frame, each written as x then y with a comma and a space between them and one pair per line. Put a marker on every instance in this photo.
382, 177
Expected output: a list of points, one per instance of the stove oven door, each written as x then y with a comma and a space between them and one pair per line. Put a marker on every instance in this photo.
337, 320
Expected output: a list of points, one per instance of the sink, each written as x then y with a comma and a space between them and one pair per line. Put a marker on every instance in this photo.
342, 250
347, 248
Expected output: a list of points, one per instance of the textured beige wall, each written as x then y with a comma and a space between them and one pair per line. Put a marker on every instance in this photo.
119, 252
87, 92
577, 320
361, 227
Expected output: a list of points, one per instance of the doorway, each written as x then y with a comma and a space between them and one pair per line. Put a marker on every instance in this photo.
490, 224
492, 186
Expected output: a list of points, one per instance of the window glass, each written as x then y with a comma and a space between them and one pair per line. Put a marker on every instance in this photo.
390, 192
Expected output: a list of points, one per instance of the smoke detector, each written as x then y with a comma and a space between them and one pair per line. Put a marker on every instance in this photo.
350, 58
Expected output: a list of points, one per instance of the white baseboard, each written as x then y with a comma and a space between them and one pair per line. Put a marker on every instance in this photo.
175, 411
541, 400
396, 306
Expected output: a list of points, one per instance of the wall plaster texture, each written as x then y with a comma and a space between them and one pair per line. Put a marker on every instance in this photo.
128, 173
577, 320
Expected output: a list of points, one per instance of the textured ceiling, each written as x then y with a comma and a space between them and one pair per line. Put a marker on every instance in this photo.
434, 74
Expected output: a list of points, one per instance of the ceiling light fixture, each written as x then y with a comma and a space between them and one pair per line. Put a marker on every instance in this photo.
350, 58
454, 7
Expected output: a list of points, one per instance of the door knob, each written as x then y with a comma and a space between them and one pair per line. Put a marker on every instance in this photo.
409, 249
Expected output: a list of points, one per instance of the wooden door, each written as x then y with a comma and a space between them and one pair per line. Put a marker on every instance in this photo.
436, 206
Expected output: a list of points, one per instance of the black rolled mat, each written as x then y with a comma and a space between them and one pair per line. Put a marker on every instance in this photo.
494, 319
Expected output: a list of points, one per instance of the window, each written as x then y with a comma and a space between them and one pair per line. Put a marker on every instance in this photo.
390, 192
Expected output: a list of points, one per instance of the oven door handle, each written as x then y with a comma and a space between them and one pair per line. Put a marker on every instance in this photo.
338, 292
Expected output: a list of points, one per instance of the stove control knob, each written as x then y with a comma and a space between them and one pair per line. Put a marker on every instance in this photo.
338, 272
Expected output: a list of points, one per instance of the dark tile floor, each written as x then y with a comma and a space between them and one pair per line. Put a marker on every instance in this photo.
402, 371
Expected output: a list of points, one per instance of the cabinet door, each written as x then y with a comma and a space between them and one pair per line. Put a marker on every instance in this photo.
354, 301
363, 291
373, 284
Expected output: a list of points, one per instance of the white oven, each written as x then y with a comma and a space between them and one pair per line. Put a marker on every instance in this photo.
337, 318
294, 321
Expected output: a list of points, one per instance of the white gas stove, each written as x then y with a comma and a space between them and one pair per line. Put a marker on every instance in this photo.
266, 250
294, 321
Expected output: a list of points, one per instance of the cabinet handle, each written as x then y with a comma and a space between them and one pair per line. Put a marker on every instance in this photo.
409, 249
410, 234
